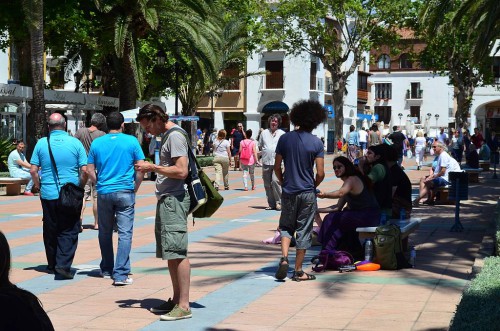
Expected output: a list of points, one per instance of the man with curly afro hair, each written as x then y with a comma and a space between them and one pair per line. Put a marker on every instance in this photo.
299, 150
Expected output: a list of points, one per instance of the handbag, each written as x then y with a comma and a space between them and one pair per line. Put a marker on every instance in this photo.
205, 199
70, 200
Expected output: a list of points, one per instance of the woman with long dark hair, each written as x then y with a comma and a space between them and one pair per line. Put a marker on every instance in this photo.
21, 310
356, 207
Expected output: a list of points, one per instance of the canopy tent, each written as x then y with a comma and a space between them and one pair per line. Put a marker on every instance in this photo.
130, 115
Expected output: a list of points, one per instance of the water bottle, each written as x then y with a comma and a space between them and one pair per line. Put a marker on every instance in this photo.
402, 214
413, 256
383, 219
368, 249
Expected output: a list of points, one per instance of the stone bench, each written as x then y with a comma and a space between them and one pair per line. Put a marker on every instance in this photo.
407, 226
485, 165
443, 196
13, 185
473, 174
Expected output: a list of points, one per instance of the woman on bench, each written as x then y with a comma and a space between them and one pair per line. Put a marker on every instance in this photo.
361, 207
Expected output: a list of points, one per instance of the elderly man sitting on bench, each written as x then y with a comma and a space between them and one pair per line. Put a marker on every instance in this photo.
19, 167
438, 176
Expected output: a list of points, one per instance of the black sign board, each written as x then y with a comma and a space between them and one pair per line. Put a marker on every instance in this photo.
459, 188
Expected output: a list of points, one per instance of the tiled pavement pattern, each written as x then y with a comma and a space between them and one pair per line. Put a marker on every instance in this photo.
233, 287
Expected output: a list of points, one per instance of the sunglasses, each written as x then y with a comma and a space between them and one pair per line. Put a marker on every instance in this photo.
337, 167
434, 147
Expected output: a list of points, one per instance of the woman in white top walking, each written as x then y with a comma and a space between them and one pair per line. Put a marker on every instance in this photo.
222, 159
420, 144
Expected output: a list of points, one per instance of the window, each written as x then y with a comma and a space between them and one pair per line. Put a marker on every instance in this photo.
384, 113
231, 76
312, 75
384, 62
405, 61
362, 82
383, 91
496, 70
415, 112
274, 74
415, 92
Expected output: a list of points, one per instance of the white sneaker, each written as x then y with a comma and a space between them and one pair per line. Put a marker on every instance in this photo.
128, 281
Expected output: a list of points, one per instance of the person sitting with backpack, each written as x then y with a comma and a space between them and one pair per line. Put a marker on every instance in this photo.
356, 207
248, 158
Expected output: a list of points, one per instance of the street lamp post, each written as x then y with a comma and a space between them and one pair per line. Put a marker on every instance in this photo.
437, 117
400, 115
160, 58
211, 94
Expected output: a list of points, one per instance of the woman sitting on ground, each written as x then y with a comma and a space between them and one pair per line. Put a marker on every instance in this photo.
20, 309
361, 207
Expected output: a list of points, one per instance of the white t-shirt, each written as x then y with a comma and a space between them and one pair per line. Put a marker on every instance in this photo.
220, 147
446, 161
420, 142
363, 136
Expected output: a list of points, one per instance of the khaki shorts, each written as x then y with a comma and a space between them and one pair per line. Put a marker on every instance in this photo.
171, 227
90, 190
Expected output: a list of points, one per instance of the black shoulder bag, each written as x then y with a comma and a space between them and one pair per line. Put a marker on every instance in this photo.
70, 195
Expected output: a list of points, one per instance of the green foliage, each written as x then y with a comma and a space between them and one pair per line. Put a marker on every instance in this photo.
5, 148
478, 309
205, 161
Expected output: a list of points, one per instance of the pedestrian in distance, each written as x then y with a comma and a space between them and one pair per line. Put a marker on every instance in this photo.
60, 229
267, 141
222, 159
86, 136
301, 152
113, 157
236, 138
248, 158
172, 208
352, 139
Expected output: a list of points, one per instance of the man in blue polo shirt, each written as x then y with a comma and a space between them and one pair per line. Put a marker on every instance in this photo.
60, 230
113, 156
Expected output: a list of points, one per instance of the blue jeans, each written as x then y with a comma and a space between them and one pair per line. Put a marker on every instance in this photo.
117, 206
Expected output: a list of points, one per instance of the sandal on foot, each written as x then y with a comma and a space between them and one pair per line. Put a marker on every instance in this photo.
298, 274
282, 268
269, 208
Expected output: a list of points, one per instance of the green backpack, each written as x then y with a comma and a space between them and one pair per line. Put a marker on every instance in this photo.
388, 248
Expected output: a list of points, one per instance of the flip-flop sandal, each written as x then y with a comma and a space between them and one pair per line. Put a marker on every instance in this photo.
282, 269
269, 208
298, 274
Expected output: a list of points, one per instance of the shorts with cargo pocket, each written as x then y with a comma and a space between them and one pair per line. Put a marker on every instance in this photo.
171, 227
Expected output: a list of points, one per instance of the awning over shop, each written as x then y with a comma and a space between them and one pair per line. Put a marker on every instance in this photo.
13, 93
275, 107
62, 97
367, 117
96, 102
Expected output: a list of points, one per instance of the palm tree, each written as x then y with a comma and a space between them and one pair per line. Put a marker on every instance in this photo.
133, 20
33, 11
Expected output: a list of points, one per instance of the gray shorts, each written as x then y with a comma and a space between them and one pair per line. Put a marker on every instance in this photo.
171, 227
90, 190
297, 217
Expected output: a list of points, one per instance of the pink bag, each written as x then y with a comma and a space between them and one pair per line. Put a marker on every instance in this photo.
273, 240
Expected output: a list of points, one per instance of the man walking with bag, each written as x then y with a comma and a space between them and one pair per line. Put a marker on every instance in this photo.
60, 228
113, 156
172, 208
267, 141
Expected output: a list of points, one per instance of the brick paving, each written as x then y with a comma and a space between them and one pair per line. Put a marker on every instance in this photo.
233, 287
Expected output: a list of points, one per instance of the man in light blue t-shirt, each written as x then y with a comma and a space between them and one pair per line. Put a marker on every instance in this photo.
114, 156
60, 229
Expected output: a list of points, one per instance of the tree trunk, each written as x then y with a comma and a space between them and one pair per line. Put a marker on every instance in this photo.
128, 86
464, 102
37, 119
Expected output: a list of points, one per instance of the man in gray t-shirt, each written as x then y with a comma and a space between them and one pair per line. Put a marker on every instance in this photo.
172, 208
86, 136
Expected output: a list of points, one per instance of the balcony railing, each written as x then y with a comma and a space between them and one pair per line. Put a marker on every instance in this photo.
263, 87
418, 94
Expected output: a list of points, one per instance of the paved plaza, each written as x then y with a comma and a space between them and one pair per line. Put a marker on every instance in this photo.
233, 285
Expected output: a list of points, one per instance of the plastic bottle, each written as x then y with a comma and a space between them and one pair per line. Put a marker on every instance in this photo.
402, 214
413, 256
368, 249
383, 219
